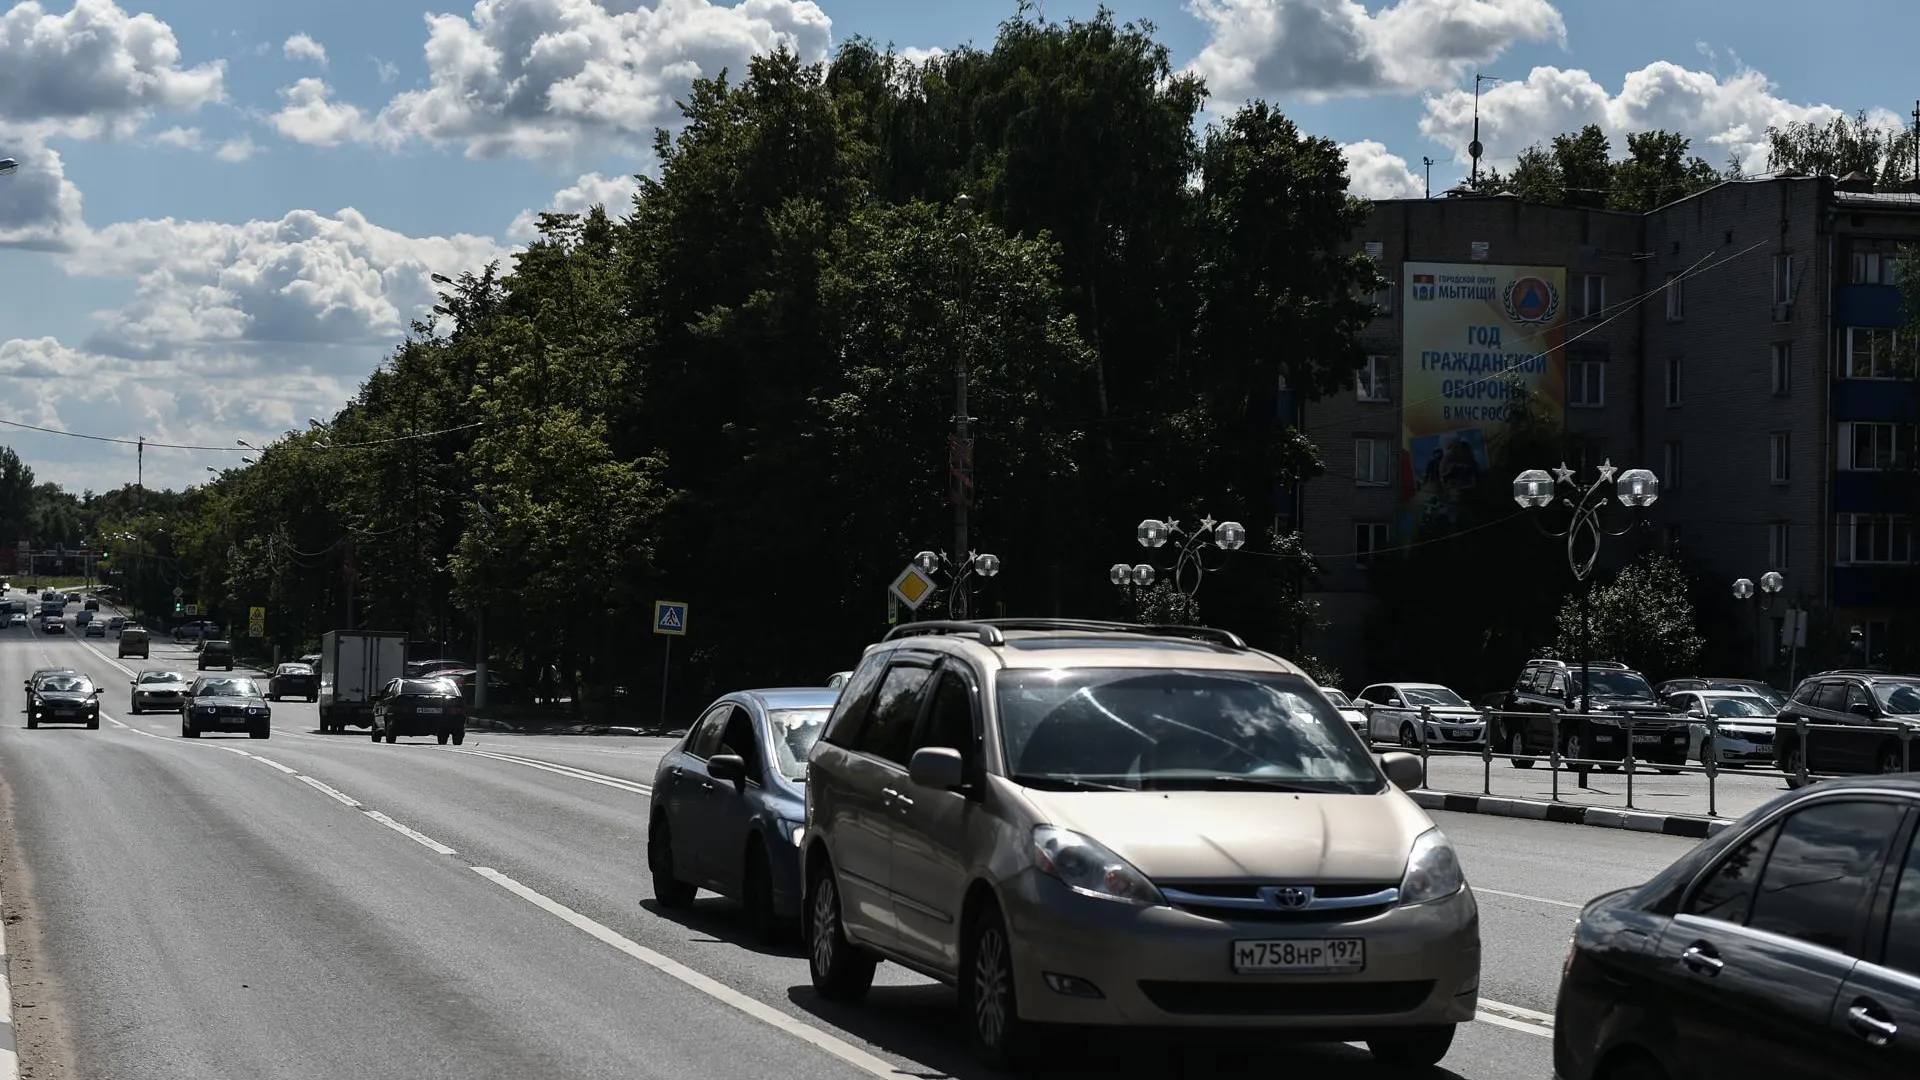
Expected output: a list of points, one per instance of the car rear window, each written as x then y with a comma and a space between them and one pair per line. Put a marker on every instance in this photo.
427, 687
1139, 729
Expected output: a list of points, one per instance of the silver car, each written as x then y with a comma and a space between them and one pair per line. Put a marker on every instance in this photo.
1101, 825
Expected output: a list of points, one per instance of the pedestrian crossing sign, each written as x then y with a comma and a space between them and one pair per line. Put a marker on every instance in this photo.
670, 617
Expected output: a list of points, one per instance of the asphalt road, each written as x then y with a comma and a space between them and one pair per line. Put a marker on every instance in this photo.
320, 906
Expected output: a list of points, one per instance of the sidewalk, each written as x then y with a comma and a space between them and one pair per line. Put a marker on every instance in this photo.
1686, 804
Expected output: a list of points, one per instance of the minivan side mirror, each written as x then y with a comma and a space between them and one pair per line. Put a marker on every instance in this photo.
1395, 703
1403, 769
1861, 708
729, 767
939, 768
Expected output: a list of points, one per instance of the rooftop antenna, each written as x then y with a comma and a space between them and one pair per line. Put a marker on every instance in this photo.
1474, 148
1428, 162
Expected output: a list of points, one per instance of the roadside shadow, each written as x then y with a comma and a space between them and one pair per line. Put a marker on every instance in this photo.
923, 1023
723, 921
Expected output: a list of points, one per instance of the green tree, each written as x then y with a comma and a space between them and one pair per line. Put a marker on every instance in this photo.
1656, 171
1641, 618
1841, 146
1584, 159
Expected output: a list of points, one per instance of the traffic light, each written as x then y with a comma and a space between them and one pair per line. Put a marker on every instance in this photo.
176, 607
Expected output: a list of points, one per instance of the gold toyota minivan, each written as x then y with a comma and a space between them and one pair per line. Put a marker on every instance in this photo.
1105, 824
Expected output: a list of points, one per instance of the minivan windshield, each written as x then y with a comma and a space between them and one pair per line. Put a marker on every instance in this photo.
1129, 729
1900, 699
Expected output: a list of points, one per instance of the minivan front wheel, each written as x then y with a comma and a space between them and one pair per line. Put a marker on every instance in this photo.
1000, 1040
1517, 746
841, 970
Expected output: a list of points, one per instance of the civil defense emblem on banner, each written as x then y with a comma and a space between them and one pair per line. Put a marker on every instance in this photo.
1423, 286
1531, 300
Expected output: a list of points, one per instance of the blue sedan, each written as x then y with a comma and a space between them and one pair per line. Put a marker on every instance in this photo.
729, 804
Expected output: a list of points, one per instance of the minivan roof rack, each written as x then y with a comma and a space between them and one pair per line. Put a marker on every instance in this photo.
1607, 665
989, 630
1855, 671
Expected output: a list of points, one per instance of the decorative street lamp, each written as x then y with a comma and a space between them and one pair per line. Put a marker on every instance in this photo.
1771, 583
1132, 579
977, 564
1634, 489
1190, 566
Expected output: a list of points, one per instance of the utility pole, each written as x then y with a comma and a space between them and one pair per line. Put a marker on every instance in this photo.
1475, 148
960, 444
1428, 162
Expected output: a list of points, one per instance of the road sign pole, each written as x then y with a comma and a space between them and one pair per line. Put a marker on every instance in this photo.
666, 669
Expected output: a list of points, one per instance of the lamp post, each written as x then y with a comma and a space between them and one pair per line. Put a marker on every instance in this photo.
1132, 579
1634, 489
977, 564
1190, 562
1770, 585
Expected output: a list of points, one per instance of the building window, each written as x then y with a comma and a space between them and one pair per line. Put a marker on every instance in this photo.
1673, 382
1783, 279
1875, 263
1779, 546
1872, 540
1372, 462
1589, 295
1874, 447
1369, 540
1872, 353
1782, 368
1676, 301
1670, 474
1370, 384
1782, 457
1586, 384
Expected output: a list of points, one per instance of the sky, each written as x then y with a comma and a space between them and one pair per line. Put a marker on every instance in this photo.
228, 211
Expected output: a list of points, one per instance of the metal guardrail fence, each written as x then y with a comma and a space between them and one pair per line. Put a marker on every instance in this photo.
1893, 748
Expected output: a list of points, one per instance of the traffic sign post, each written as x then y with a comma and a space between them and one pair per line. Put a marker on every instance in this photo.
669, 621
178, 592
191, 609
256, 622
913, 586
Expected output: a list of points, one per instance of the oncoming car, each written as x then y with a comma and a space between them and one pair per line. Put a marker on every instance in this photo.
225, 703
62, 697
157, 689
1113, 826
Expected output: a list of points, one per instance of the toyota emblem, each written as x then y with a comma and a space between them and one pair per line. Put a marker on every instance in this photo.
1291, 897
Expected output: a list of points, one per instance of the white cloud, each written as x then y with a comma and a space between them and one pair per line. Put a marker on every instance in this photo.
538, 78
311, 116
1377, 173
179, 138
1323, 48
1723, 116
387, 71
39, 207
236, 150
613, 192
302, 47
96, 69
913, 54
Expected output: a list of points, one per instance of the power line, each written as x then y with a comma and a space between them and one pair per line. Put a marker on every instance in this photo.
235, 449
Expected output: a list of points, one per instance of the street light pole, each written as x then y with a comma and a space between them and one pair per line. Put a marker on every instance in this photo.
1770, 585
1131, 578
1634, 489
976, 565
1189, 565
960, 446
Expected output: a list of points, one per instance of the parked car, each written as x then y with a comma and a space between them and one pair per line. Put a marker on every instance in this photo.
62, 697
729, 805
1787, 945
216, 653
838, 679
427, 706
1349, 712
225, 703
1595, 723
500, 689
1740, 686
196, 630
157, 690
1395, 714
420, 669
1742, 728
1863, 715
1128, 827
293, 680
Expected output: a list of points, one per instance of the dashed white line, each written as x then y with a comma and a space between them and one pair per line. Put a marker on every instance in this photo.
713, 988
332, 793
566, 770
1533, 899
422, 839
1515, 1018
269, 762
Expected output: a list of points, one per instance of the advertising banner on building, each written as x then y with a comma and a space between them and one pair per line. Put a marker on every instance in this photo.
1479, 341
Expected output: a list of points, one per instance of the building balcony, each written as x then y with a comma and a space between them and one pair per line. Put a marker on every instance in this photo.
1866, 305
1888, 401
1872, 586
1872, 492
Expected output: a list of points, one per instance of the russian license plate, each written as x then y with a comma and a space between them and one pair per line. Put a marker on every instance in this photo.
428, 710
1642, 739
1300, 956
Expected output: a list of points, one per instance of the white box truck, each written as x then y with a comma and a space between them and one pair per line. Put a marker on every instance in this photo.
354, 665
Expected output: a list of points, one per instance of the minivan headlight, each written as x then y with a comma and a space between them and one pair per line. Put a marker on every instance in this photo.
1433, 870
1089, 867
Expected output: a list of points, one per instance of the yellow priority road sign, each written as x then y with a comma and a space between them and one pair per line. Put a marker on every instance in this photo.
913, 586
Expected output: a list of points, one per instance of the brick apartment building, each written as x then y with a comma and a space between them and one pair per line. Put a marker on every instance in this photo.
1759, 387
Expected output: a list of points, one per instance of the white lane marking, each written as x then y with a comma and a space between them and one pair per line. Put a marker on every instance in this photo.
1524, 896
566, 770
713, 988
1489, 1017
330, 792
276, 765
422, 839
1515, 1012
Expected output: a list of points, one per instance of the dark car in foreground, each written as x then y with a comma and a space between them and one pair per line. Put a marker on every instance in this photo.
294, 681
225, 703
430, 706
730, 804
1786, 946
63, 697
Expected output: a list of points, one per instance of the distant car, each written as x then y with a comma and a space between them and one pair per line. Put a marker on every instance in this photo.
117, 624
63, 697
216, 654
1395, 714
133, 642
157, 690
1671, 687
1742, 729
731, 804
420, 669
96, 628
225, 703
1355, 719
311, 659
53, 624
195, 631
500, 690
91, 605
18, 618
293, 680
430, 706
838, 679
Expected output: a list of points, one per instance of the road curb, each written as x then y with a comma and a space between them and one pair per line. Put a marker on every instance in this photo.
9, 1048
1603, 817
